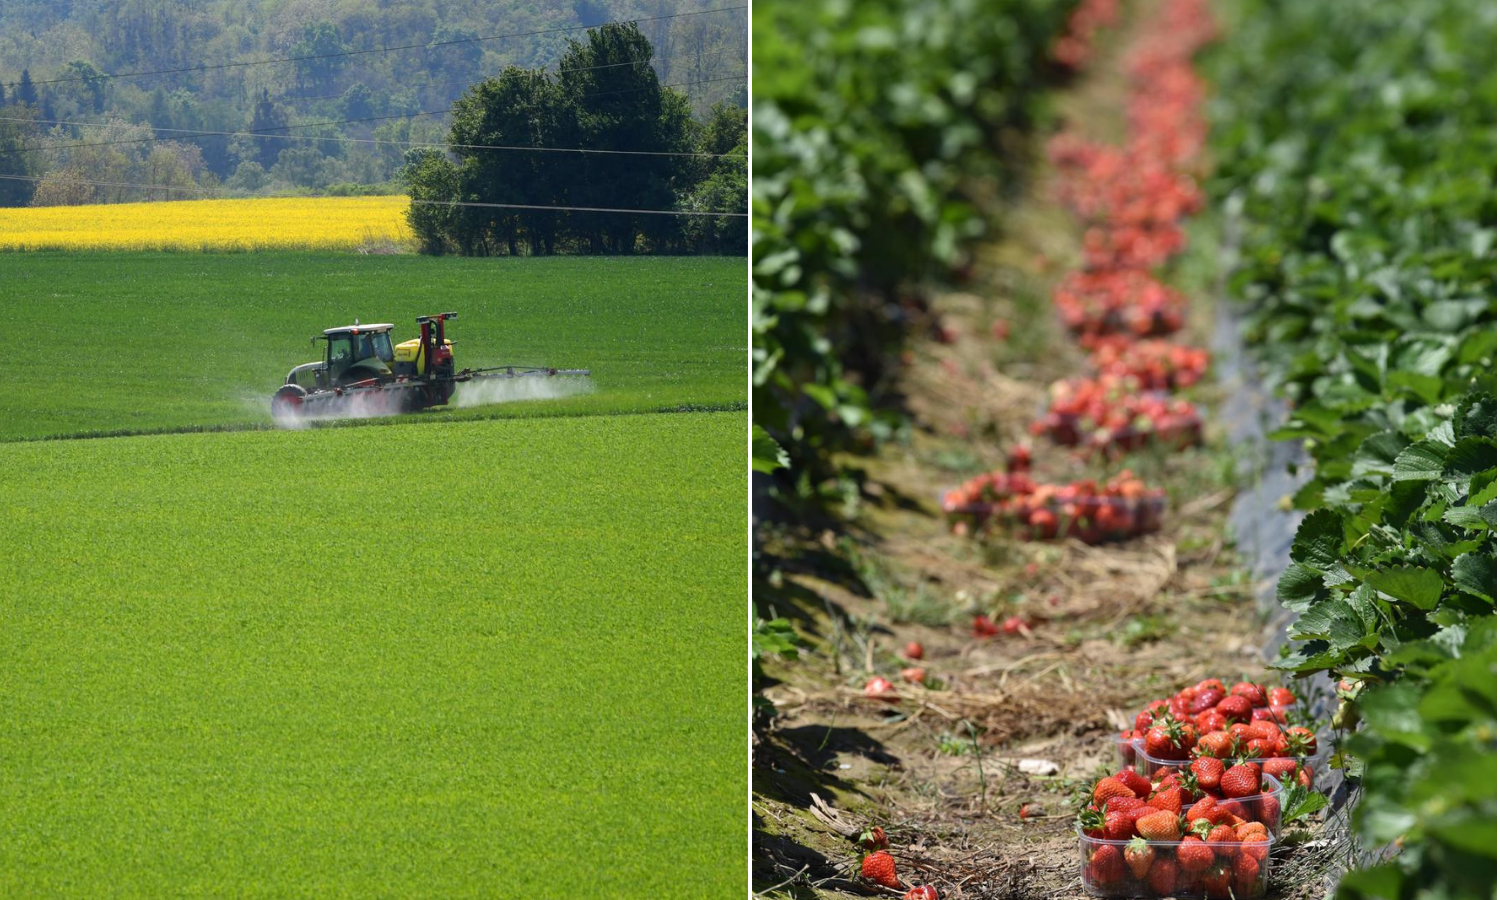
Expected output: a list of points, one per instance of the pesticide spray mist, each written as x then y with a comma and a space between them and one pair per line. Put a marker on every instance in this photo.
508, 390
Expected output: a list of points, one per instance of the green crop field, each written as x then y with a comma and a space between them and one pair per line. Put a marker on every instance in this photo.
481, 658
142, 342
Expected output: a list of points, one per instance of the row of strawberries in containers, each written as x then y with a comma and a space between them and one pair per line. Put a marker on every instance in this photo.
1196, 806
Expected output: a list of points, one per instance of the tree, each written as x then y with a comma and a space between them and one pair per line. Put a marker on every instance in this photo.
15, 137
268, 118
87, 83
26, 91
320, 45
430, 175
355, 103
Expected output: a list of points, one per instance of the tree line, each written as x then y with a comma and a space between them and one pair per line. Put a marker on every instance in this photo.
604, 96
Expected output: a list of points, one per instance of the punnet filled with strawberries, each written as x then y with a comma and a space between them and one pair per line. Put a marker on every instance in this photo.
1111, 415
1156, 365
1140, 838
1012, 503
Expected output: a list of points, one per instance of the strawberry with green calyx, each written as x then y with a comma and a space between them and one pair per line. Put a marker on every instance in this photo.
874, 838
880, 867
1135, 781
1138, 856
1091, 823
1110, 787
1118, 826
1208, 770
1223, 840
1300, 741
1107, 864
1280, 768
1218, 744
1254, 693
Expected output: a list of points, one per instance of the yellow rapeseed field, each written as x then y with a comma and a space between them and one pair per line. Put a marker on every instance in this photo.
313, 223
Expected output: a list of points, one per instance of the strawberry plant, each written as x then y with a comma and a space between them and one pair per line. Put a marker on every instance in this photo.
1356, 158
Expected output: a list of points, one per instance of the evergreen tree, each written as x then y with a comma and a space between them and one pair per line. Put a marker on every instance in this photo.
268, 118
26, 91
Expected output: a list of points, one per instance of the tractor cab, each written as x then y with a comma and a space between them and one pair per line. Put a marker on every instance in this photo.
357, 353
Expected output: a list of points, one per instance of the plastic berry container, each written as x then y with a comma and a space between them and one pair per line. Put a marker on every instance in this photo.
1215, 869
1264, 807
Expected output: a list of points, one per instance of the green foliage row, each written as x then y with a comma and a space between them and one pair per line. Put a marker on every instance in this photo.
1355, 144
604, 95
371, 662
869, 115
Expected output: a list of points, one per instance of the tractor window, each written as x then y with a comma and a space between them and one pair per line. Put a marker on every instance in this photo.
339, 349
381, 344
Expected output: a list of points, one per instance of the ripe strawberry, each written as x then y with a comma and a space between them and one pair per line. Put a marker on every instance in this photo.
1211, 720
1242, 780
1305, 777
1256, 845
1259, 748
1146, 717
1246, 875
1138, 856
1107, 864
1265, 729
1247, 830
1255, 693
1158, 826
880, 867
1216, 881
1169, 800
874, 838
1163, 875
1029, 811
1123, 804
1135, 781
921, 892
1266, 714
1268, 809
1217, 744
1208, 770
1205, 701
1208, 684
1222, 834
914, 650
1208, 810
1164, 740
985, 627
914, 675
1110, 787
1300, 741
1280, 696
1193, 856
1279, 767
1118, 826
1014, 625
1235, 708
1091, 823
878, 688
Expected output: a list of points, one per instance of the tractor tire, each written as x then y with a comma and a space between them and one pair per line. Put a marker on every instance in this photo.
286, 403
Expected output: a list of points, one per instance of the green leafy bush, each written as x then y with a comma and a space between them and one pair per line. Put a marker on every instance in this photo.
868, 117
1356, 154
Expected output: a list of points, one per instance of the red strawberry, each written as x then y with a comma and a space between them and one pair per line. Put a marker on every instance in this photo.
1110, 787
1135, 781
1216, 881
914, 675
921, 892
1222, 834
1212, 720
1235, 708
878, 688
880, 867
874, 838
914, 651
1208, 810
1217, 744
1280, 696
985, 627
1279, 767
1193, 856
1163, 875
1305, 777
1123, 804
1242, 780
1091, 823
1266, 714
1300, 741
1107, 864
1208, 770
1139, 856
1213, 684
1268, 809
1145, 718
1246, 875
1255, 844
1259, 748
1255, 693
1118, 826
1205, 701
1158, 826
1169, 800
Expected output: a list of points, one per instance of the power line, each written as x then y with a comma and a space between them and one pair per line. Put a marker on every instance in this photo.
190, 134
347, 53
600, 209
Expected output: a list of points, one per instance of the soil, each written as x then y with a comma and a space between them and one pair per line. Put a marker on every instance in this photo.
1111, 626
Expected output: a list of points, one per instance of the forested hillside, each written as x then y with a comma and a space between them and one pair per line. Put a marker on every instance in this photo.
357, 83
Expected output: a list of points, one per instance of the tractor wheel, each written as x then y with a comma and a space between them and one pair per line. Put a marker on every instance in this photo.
286, 403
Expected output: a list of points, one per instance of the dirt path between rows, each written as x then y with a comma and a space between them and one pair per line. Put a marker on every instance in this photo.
1115, 625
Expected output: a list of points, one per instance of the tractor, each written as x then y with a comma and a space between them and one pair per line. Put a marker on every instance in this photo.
363, 372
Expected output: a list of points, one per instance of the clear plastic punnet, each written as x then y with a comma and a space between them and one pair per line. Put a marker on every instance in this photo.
1175, 868
1264, 807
